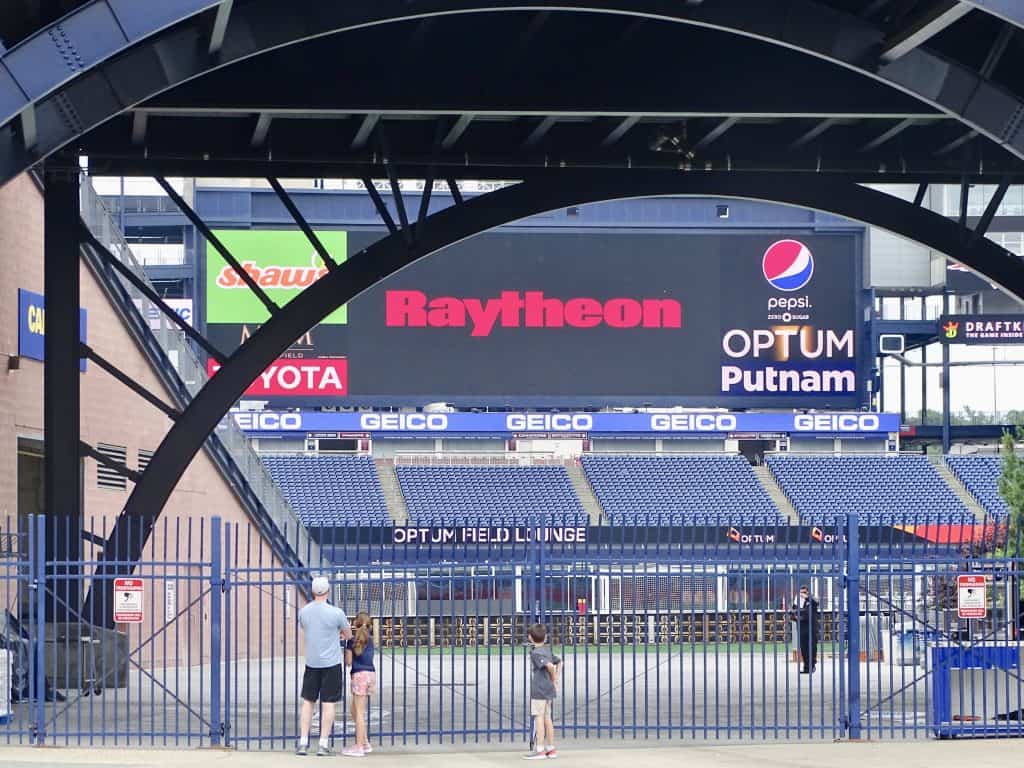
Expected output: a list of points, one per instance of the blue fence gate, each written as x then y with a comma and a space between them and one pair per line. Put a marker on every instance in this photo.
667, 633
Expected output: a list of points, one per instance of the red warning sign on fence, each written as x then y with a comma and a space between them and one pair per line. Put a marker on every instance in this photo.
127, 601
971, 597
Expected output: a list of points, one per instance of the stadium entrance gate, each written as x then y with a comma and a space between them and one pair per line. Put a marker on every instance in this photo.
664, 634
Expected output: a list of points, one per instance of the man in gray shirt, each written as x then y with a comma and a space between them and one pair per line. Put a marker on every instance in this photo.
323, 626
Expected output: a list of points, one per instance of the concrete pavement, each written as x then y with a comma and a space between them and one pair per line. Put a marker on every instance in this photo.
997, 753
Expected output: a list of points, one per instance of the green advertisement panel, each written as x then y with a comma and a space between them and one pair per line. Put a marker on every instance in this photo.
282, 262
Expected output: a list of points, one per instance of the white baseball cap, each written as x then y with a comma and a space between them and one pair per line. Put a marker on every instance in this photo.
321, 586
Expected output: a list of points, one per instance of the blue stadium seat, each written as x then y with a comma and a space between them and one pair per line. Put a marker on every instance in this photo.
330, 491
882, 490
980, 475
680, 490
490, 495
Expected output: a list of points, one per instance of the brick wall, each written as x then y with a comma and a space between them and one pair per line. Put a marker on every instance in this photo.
112, 414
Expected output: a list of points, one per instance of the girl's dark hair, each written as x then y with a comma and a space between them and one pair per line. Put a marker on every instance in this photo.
538, 633
362, 626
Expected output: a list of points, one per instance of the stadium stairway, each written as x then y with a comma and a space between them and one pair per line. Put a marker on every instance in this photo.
585, 493
960, 490
176, 365
776, 494
392, 490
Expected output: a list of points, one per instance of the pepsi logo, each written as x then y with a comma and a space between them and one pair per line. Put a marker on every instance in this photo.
788, 265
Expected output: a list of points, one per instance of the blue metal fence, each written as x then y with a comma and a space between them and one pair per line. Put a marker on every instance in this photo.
683, 635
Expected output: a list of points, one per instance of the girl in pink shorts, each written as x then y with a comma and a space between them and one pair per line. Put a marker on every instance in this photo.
359, 659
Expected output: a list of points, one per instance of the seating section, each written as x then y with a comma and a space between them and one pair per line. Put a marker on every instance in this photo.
980, 475
643, 490
680, 490
883, 490
495, 495
330, 490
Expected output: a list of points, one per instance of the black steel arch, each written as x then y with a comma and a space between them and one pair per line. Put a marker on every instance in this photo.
56, 109
1010, 11
559, 189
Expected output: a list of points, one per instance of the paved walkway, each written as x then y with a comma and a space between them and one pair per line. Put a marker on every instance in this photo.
913, 754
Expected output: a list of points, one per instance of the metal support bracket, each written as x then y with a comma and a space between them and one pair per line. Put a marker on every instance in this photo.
211, 238
293, 209
129, 382
87, 450
102, 251
378, 203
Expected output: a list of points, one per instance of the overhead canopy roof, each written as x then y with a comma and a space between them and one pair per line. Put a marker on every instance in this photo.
883, 90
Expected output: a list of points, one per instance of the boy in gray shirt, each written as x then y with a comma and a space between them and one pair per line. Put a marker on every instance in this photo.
543, 687
323, 627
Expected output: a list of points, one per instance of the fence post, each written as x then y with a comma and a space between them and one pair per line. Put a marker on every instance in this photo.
216, 618
39, 560
226, 660
853, 624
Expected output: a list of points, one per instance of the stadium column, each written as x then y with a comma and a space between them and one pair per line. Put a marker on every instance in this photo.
924, 382
61, 394
946, 415
903, 372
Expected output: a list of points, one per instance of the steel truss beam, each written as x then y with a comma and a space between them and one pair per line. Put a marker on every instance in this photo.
300, 220
455, 132
125, 78
924, 27
220, 26
378, 203
87, 450
990, 210
213, 240
559, 189
1011, 11
112, 261
246, 110
129, 382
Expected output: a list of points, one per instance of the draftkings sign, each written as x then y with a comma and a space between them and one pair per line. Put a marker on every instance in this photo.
982, 329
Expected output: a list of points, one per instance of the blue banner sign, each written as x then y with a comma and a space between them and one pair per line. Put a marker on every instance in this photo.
487, 535
32, 326
707, 423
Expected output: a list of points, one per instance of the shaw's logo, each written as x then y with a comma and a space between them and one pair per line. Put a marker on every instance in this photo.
787, 265
531, 309
273, 276
951, 329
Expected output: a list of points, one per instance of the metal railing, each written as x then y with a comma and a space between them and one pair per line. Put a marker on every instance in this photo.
669, 634
184, 375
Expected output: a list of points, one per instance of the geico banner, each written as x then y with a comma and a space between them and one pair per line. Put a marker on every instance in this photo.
690, 423
181, 307
32, 326
733, 319
327, 378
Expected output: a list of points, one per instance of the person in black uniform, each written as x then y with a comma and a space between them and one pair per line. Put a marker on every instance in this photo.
805, 614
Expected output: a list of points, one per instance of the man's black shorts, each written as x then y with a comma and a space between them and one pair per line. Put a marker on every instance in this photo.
324, 684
